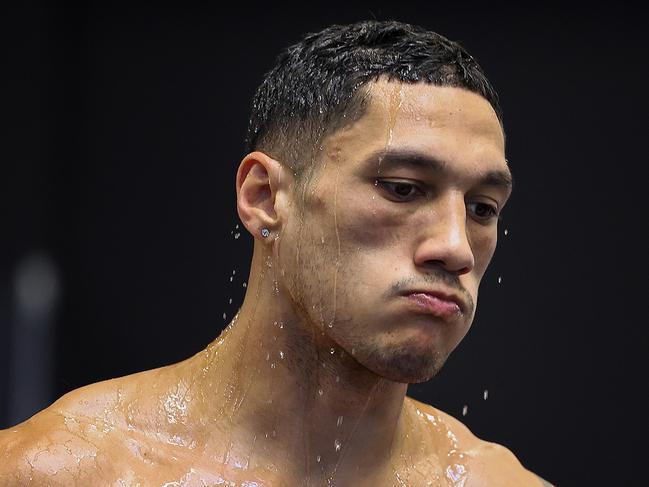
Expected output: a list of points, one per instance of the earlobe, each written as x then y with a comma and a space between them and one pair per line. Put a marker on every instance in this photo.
257, 186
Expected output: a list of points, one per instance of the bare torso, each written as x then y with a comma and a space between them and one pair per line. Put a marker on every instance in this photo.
134, 431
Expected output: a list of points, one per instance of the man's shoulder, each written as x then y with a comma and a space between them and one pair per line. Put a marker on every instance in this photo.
488, 463
70, 442
45, 447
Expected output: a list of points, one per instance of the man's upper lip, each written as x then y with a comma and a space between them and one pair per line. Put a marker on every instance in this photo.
444, 295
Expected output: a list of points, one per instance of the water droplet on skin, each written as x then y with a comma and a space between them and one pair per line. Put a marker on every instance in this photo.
281, 355
485, 394
500, 279
465, 409
267, 356
272, 366
455, 474
332, 351
320, 392
339, 422
322, 239
353, 351
337, 379
337, 444
317, 459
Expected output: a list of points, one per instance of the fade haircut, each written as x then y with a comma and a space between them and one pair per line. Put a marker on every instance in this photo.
315, 87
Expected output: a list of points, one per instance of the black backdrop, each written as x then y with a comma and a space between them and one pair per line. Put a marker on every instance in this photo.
125, 129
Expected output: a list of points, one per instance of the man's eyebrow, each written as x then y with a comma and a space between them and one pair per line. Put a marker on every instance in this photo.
396, 159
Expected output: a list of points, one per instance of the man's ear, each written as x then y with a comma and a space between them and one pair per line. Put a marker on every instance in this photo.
258, 181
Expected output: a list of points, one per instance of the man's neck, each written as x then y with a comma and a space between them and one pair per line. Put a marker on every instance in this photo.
284, 396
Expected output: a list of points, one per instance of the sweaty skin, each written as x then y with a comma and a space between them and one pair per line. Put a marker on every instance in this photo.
307, 385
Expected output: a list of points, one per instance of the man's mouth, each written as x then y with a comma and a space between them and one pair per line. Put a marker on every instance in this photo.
437, 304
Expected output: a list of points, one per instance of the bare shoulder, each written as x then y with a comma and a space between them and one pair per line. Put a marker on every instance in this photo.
495, 464
46, 449
486, 463
72, 442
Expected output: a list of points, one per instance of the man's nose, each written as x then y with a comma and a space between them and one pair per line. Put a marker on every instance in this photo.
443, 237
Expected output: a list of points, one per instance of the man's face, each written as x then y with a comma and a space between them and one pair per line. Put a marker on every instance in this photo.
406, 200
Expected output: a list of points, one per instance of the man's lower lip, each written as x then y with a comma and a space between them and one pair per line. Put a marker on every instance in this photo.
435, 305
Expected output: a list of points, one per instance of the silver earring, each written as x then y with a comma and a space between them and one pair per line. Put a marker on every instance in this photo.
265, 232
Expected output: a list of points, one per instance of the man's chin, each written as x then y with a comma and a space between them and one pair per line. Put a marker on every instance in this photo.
409, 368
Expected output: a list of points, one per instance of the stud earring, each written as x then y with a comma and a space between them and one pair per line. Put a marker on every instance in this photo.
265, 232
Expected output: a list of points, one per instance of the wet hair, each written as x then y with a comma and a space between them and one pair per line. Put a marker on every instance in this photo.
314, 89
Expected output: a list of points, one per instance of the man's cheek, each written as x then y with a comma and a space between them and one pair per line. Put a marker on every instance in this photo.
484, 247
371, 228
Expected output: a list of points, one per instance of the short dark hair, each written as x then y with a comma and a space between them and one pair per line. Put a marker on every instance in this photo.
313, 89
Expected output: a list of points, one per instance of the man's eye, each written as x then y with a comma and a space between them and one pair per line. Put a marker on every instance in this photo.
398, 189
483, 211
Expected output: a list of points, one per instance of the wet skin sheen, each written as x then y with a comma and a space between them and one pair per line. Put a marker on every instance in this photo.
307, 385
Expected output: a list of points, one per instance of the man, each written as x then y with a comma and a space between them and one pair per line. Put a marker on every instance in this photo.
372, 185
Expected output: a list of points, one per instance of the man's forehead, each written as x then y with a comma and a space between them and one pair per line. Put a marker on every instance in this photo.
439, 105
418, 112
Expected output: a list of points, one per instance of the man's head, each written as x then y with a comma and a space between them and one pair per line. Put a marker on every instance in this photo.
382, 235
320, 84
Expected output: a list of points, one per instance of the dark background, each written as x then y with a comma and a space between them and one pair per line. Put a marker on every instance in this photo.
123, 132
